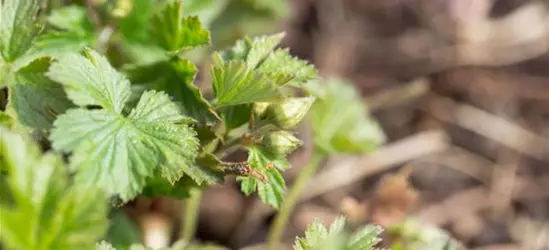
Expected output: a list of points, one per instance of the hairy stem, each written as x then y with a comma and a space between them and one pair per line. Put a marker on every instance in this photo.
190, 220
290, 201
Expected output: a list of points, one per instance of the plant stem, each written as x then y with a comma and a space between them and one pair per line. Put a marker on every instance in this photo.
190, 220
275, 234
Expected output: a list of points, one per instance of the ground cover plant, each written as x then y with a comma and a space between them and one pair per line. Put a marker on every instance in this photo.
106, 103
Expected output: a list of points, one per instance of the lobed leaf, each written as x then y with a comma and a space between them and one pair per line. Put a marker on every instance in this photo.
318, 237
273, 189
118, 152
234, 83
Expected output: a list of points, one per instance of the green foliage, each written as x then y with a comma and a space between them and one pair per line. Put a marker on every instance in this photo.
271, 189
115, 151
121, 89
340, 119
41, 209
337, 237
252, 71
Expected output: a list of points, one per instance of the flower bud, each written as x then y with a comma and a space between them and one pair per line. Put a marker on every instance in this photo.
259, 108
290, 112
281, 142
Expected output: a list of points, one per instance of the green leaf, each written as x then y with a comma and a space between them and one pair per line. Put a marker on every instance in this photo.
174, 32
120, 152
273, 189
287, 69
177, 79
71, 18
35, 101
261, 47
340, 120
46, 212
234, 83
124, 151
318, 237
18, 27
253, 50
91, 80
365, 238
314, 236
192, 101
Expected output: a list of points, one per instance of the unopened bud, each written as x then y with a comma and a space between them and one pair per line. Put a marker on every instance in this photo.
281, 142
259, 108
290, 112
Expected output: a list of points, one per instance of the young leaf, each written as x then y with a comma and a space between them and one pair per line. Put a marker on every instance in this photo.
252, 72
45, 211
364, 238
261, 47
234, 83
272, 189
288, 69
253, 50
18, 27
340, 120
115, 151
174, 32
318, 237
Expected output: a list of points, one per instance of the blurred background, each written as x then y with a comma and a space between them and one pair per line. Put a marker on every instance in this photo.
461, 89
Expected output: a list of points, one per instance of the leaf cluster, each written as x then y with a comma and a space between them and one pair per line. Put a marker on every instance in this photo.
115, 99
